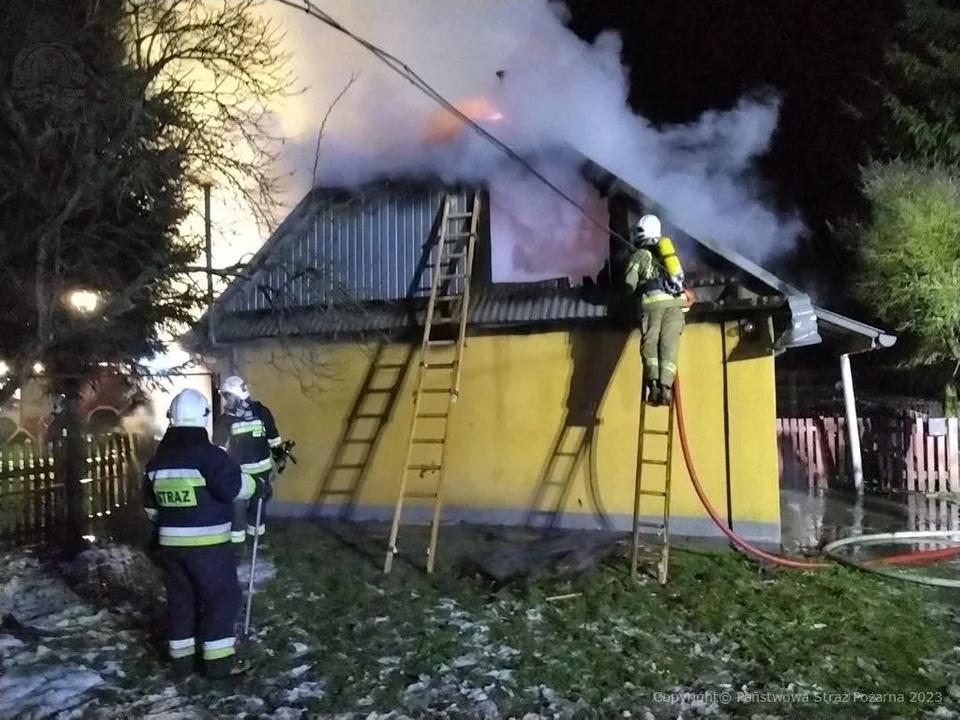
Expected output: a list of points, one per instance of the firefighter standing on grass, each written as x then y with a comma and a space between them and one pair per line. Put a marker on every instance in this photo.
654, 274
248, 432
190, 487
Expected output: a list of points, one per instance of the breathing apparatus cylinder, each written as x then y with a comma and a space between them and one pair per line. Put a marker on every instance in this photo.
668, 255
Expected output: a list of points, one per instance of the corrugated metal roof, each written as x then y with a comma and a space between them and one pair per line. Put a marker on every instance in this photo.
524, 308
371, 244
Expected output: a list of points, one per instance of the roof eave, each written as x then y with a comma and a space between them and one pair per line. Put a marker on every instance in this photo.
857, 337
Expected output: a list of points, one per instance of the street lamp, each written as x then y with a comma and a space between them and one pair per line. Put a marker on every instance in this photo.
84, 301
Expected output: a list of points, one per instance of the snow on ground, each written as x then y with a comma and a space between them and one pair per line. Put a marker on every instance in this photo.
76, 664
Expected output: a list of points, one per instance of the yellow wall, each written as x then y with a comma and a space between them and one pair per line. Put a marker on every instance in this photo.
512, 407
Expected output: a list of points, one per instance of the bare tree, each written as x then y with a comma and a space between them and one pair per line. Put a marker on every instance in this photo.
97, 179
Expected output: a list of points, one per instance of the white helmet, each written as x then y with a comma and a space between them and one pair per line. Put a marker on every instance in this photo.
189, 409
235, 385
648, 229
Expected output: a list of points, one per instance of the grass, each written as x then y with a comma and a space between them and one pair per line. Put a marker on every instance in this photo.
721, 622
444, 646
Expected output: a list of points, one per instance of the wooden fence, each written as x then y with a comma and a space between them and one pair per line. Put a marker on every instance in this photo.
32, 493
899, 454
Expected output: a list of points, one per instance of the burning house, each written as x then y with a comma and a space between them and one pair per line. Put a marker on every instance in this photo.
545, 424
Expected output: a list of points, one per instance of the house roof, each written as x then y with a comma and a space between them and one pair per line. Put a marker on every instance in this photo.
371, 247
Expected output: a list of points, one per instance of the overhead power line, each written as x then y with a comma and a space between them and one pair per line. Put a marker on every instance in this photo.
414, 79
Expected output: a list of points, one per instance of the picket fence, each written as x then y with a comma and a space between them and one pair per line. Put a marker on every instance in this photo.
899, 454
32, 493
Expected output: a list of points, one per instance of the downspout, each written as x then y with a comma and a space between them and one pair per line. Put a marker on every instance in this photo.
853, 426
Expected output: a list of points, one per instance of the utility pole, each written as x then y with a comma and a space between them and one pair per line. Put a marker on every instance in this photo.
211, 332
209, 251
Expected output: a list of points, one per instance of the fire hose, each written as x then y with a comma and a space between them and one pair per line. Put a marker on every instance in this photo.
909, 558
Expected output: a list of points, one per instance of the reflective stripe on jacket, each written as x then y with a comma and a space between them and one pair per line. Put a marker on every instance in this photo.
190, 486
248, 434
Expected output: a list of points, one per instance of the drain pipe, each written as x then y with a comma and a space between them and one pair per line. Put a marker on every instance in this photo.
853, 426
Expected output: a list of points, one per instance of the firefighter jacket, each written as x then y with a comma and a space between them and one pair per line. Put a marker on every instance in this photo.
249, 434
646, 277
189, 488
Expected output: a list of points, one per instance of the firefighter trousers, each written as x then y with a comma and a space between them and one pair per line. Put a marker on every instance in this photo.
245, 511
661, 325
203, 602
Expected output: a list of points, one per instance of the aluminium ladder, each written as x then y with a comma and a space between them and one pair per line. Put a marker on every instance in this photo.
661, 491
438, 381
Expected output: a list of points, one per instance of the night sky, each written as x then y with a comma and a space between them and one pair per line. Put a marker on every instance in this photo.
689, 56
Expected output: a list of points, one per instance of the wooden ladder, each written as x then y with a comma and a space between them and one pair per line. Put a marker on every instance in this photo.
438, 381
661, 489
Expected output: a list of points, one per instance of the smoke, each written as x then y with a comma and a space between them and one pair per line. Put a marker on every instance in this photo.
558, 93
142, 422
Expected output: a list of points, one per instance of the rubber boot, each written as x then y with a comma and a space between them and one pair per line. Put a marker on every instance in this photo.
183, 666
666, 396
652, 392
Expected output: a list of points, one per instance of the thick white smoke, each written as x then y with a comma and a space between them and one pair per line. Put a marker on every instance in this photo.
557, 92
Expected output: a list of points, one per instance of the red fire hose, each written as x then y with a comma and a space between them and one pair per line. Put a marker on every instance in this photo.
910, 558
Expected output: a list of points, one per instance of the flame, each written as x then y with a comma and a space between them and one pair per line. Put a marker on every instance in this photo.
444, 126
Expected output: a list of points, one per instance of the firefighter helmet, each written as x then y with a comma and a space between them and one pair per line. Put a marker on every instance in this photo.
189, 409
235, 385
648, 229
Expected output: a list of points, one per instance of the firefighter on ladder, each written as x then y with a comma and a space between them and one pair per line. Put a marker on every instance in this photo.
248, 432
654, 274
190, 487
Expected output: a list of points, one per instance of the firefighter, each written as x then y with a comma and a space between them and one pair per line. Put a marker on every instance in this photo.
248, 432
190, 487
655, 275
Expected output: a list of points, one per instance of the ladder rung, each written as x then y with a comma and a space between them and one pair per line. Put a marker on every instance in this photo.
658, 526
438, 366
656, 432
424, 467
429, 441
662, 463
421, 495
432, 416
441, 342
654, 493
435, 391
445, 321
459, 216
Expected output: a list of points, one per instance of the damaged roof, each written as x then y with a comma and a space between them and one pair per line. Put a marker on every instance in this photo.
350, 262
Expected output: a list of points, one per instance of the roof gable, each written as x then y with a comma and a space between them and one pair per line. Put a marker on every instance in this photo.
371, 245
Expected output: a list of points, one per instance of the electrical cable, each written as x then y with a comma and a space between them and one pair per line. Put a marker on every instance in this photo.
414, 79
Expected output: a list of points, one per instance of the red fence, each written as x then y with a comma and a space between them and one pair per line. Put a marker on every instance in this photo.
898, 453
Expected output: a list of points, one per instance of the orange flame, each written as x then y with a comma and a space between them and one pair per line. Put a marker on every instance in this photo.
444, 125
